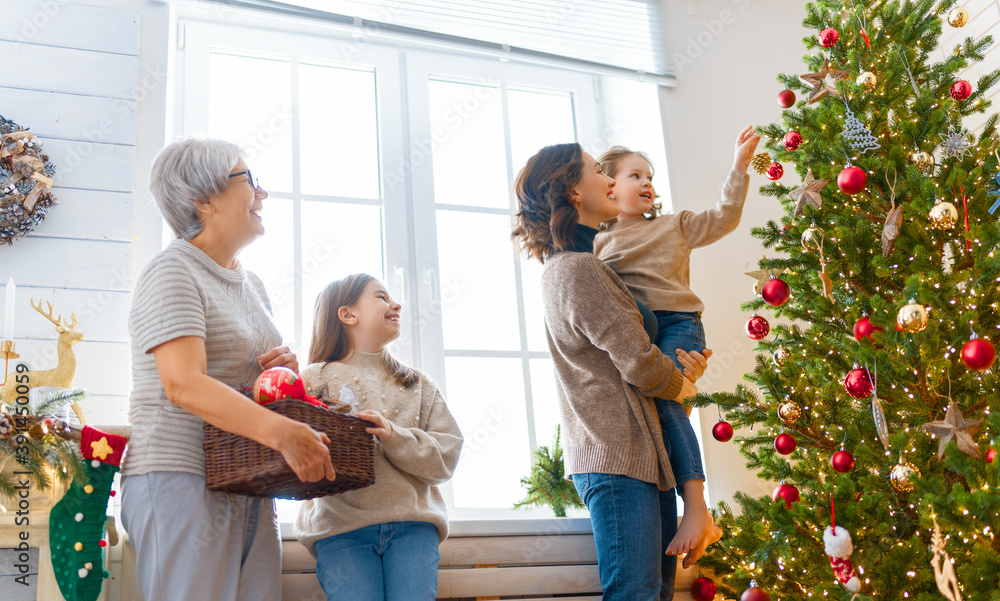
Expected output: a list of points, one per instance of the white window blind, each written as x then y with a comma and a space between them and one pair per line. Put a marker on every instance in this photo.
618, 37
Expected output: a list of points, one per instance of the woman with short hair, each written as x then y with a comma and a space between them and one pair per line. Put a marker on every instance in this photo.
201, 330
607, 370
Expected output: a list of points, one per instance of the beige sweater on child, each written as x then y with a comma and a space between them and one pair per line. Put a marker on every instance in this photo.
653, 257
421, 454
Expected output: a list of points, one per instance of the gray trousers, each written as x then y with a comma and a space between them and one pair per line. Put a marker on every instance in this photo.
192, 543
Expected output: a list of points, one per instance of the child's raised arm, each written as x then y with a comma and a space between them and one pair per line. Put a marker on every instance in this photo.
746, 144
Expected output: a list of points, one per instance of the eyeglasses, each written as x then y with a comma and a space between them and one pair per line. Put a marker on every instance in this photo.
250, 180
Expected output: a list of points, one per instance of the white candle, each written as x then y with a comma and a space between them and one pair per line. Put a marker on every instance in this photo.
8, 318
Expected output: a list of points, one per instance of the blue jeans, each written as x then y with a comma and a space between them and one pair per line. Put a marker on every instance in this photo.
625, 516
677, 330
395, 561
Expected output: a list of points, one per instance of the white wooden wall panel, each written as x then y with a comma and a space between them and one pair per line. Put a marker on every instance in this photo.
64, 263
101, 367
52, 23
90, 215
100, 314
52, 69
984, 20
90, 165
71, 116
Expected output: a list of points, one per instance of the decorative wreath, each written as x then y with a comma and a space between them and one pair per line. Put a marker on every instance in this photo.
25, 181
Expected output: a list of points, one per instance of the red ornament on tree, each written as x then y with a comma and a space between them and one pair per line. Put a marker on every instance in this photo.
786, 98
757, 327
792, 140
858, 383
703, 589
754, 594
784, 443
865, 328
842, 461
722, 431
961, 90
852, 180
775, 292
787, 493
978, 354
991, 455
828, 37
775, 171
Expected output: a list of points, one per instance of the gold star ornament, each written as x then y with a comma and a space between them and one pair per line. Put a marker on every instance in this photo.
820, 88
808, 192
101, 448
954, 427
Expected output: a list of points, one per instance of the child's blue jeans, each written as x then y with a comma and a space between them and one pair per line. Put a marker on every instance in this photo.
677, 330
395, 561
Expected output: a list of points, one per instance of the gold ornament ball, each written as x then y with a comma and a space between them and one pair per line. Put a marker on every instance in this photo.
812, 238
901, 477
922, 159
867, 80
789, 412
912, 318
757, 287
958, 17
780, 355
944, 215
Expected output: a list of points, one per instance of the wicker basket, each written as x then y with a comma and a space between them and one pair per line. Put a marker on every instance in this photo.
239, 465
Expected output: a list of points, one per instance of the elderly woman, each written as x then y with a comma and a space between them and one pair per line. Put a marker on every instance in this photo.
607, 370
201, 329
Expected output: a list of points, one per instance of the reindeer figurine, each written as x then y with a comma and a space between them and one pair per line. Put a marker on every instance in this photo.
61, 376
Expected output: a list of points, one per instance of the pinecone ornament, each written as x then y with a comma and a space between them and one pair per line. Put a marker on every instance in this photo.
761, 162
6, 426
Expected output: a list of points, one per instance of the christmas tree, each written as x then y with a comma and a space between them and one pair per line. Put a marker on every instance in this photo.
547, 483
872, 407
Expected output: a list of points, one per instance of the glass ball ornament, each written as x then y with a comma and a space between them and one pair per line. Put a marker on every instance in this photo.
912, 318
867, 80
780, 355
828, 37
754, 593
958, 17
858, 382
787, 493
703, 589
922, 159
943, 215
842, 461
978, 354
902, 475
812, 238
961, 89
786, 99
775, 171
789, 411
852, 180
991, 454
784, 443
775, 292
722, 431
864, 328
757, 327
792, 140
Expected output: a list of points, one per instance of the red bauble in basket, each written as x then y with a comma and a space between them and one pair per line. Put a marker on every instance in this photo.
978, 354
757, 327
775, 292
858, 383
278, 383
722, 431
784, 443
703, 589
787, 493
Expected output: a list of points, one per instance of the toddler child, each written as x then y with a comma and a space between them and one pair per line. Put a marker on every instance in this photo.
651, 253
380, 542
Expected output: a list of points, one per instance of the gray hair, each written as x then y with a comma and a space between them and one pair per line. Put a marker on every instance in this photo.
188, 172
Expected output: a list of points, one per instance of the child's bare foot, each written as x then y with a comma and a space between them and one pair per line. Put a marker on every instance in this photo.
713, 534
691, 531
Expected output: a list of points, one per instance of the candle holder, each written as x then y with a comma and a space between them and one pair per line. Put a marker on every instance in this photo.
7, 350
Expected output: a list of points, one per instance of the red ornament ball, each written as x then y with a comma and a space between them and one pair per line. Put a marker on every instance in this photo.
755, 594
787, 493
852, 180
722, 431
961, 90
786, 98
842, 461
792, 140
757, 327
864, 328
978, 354
858, 383
775, 292
828, 37
775, 171
991, 455
703, 589
271, 383
102, 543
784, 443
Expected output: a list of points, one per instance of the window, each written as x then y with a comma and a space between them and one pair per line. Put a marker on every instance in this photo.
399, 163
